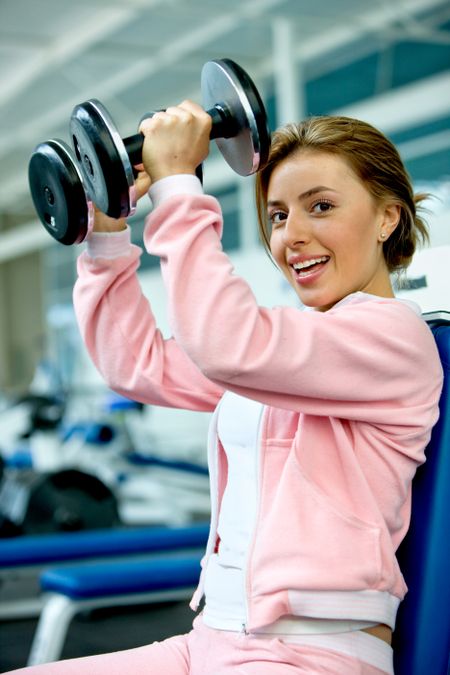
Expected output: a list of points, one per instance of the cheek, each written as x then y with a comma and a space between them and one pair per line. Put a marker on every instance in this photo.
275, 244
357, 251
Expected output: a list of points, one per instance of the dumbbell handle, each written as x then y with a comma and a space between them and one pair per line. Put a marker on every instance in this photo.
223, 126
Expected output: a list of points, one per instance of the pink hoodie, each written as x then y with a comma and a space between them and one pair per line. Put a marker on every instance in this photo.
351, 396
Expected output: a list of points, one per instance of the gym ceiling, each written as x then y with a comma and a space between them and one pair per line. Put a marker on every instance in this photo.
387, 61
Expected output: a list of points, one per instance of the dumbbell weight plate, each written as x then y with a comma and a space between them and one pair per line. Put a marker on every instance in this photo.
103, 159
224, 83
59, 501
57, 191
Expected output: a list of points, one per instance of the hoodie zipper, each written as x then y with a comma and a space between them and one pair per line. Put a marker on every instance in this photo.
213, 463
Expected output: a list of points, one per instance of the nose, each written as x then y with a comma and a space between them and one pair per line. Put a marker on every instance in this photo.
296, 231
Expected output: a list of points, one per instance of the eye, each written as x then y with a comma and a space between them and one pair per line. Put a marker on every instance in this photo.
322, 206
277, 218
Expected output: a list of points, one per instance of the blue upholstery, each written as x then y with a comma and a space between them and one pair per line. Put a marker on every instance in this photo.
122, 578
116, 402
32, 550
422, 635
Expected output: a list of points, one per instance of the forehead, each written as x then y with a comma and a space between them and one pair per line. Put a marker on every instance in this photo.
311, 165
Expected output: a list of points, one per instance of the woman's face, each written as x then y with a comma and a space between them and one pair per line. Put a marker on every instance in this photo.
327, 229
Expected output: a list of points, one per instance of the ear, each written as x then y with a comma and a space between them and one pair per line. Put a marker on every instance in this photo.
390, 220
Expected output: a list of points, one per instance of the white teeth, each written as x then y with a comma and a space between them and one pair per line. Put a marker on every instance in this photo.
308, 263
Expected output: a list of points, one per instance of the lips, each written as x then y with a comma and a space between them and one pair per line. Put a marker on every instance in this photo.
309, 268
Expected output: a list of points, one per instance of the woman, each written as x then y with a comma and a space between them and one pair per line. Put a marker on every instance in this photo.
321, 416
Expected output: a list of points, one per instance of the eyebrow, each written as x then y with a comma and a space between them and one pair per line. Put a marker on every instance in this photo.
304, 195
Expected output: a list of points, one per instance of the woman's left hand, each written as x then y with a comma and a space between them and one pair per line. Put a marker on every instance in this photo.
104, 223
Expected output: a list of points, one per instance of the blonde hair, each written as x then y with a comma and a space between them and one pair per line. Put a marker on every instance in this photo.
373, 158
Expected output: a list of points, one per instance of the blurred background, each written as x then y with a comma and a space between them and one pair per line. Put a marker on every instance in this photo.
385, 62
382, 61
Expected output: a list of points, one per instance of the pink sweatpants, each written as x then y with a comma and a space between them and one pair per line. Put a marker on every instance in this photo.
205, 651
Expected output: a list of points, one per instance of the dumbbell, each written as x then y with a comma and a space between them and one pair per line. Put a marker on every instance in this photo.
58, 193
239, 126
65, 185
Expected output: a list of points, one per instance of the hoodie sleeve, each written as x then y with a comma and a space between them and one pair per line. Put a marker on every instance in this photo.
120, 332
374, 361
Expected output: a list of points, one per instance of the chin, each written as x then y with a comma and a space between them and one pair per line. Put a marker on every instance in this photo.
321, 304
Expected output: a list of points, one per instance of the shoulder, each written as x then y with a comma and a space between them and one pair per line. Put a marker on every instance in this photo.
379, 308
397, 321
370, 315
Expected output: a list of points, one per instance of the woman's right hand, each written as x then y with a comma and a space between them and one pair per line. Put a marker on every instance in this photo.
104, 223
176, 140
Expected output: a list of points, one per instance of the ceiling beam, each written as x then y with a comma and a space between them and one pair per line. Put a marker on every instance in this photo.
425, 145
375, 21
95, 28
405, 107
23, 239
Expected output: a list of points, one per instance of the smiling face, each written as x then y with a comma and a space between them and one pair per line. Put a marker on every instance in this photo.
327, 231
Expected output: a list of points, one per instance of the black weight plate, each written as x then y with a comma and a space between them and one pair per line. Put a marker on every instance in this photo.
69, 500
58, 194
224, 83
103, 159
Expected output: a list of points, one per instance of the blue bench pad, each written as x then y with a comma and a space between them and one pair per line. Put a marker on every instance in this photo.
99, 580
30, 550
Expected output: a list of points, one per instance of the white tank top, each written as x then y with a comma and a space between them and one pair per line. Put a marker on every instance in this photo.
237, 426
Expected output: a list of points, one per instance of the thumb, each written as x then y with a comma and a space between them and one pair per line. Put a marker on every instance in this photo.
142, 184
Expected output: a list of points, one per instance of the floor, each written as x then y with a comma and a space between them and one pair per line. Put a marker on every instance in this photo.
99, 631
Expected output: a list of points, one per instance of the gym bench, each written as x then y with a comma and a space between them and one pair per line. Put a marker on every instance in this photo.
70, 590
24, 558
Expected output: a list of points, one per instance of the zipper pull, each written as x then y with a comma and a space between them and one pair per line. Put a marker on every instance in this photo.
244, 629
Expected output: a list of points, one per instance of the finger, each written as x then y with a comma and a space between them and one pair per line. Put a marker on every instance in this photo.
184, 116
142, 176
197, 111
192, 107
149, 123
142, 183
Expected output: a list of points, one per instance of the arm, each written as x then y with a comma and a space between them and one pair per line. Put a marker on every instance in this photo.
374, 360
119, 329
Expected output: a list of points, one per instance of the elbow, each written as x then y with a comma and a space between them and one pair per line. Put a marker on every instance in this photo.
213, 358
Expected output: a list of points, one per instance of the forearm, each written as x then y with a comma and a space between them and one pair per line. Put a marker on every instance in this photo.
121, 335
103, 223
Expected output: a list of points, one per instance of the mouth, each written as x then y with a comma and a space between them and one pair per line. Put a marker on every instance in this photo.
309, 269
